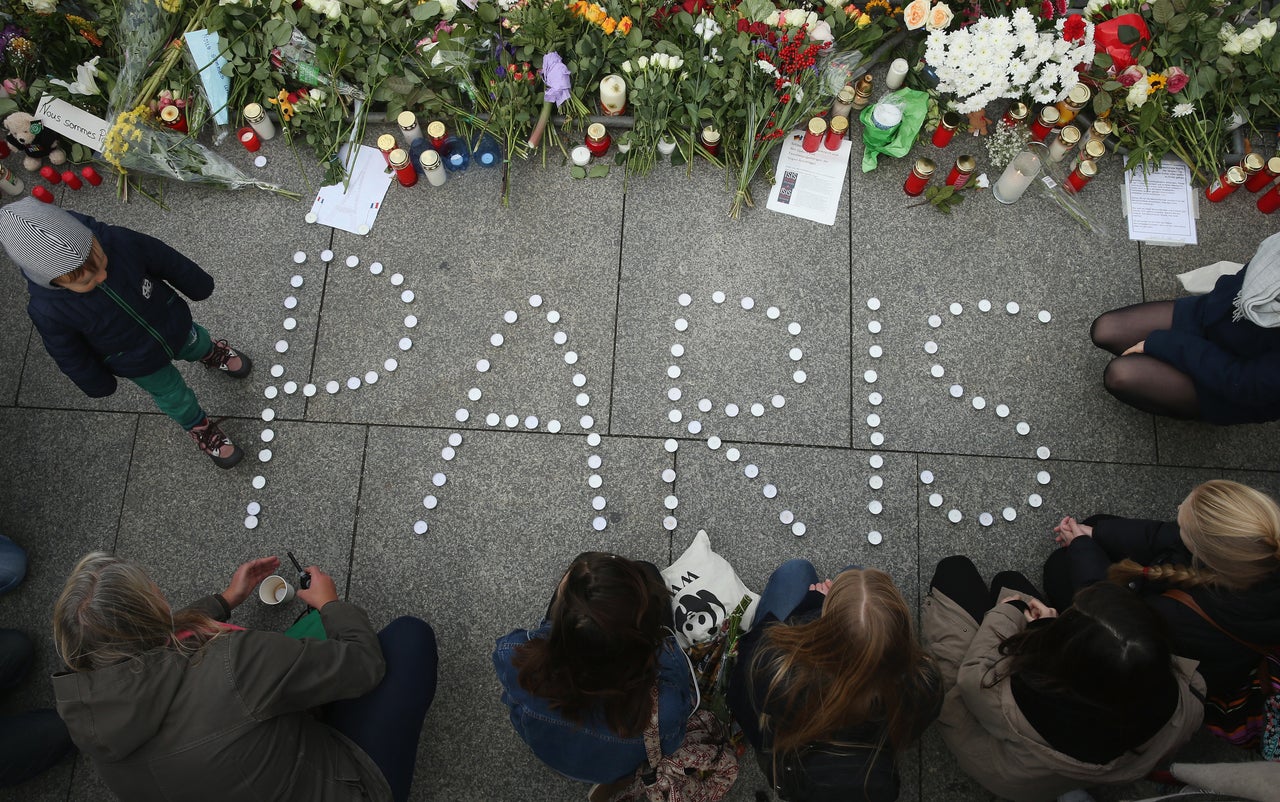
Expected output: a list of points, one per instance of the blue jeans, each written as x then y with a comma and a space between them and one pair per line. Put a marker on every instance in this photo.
13, 564
787, 587
387, 721
29, 742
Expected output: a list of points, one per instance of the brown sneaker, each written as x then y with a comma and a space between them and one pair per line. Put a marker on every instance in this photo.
605, 792
211, 440
228, 360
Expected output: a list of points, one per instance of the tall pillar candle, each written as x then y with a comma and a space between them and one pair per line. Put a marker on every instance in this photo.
897, 74
613, 95
258, 120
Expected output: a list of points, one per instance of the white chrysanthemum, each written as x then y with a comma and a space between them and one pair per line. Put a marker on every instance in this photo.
1183, 109
766, 67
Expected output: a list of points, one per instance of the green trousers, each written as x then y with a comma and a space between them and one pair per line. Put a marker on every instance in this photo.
170, 391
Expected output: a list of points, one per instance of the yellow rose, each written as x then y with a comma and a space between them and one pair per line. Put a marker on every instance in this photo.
863, 21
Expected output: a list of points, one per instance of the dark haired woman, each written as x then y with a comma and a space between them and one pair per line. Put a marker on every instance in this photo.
1039, 704
180, 705
830, 683
579, 686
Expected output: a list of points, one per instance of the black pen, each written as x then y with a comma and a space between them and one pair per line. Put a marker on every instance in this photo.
304, 577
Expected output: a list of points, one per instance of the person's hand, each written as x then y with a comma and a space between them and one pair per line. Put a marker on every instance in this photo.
1136, 349
1036, 609
1070, 529
822, 587
322, 590
247, 577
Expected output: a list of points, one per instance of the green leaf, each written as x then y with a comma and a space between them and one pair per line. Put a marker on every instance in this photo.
1162, 11
1127, 34
1103, 60
1178, 24
678, 157
577, 172
1101, 103
369, 17
425, 11
485, 11
598, 171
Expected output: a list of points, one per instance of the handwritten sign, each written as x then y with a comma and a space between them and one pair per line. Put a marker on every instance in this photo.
72, 122
207, 54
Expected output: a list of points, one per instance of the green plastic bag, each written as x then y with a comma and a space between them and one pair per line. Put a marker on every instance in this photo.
308, 625
915, 107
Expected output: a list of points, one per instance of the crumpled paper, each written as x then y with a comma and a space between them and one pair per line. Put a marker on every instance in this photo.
915, 106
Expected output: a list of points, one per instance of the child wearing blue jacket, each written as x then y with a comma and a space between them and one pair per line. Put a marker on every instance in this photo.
102, 298
1214, 358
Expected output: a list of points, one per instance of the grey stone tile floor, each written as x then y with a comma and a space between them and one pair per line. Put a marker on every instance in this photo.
614, 339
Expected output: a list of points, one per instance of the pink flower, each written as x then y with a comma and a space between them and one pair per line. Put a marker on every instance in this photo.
1176, 80
1131, 75
14, 86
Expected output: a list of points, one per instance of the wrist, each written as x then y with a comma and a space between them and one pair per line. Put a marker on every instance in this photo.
231, 598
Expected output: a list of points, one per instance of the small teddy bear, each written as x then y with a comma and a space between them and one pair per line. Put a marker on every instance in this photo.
30, 136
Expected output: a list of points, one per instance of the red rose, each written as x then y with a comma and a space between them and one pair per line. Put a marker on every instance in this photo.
1175, 79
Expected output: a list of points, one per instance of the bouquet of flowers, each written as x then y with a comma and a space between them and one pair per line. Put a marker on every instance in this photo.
655, 97
784, 86
1008, 57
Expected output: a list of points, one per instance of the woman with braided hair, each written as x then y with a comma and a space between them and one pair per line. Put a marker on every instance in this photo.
1223, 552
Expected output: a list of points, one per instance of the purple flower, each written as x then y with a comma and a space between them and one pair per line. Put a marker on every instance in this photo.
556, 77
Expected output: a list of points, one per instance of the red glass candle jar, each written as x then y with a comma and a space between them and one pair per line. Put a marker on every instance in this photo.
1045, 122
813, 134
960, 172
71, 180
1081, 175
4, 149
1225, 184
1016, 115
249, 139
405, 174
598, 140
91, 175
710, 139
437, 134
51, 175
946, 129
171, 117
1264, 176
386, 144
919, 177
1268, 202
835, 133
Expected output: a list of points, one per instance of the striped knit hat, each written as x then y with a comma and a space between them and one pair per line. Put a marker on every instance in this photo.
43, 241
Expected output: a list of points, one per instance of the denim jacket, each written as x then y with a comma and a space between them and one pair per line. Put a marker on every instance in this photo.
591, 752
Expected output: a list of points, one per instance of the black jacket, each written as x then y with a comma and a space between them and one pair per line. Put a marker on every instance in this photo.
1252, 615
132, 324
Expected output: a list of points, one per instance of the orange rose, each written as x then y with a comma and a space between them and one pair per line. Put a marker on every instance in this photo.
915, 14
624, 26
609, 25
940, 17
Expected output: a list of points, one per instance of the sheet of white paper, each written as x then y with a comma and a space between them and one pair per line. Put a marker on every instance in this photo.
207, 52
72, 122
356, 208
1161, 206
809, 185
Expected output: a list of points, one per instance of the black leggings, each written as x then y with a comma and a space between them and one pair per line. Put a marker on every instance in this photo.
958, 579
1137, 379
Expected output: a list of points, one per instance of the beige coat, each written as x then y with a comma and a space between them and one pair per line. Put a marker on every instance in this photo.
988, 734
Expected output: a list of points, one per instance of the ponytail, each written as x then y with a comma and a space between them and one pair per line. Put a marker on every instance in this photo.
1127, 571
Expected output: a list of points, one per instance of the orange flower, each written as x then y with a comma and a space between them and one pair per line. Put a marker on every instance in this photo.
624, 26
609, 25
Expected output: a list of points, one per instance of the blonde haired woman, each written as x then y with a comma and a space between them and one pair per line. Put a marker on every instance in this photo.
831, 683
180, 705
1223, 551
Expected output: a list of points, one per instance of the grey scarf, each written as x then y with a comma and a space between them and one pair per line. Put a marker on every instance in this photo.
1259, 296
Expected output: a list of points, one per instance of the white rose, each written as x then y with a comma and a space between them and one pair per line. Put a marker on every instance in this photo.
664, 61
41, 6
676, 62
1266, 29
796, 17
1250, 40
643, 62
626, 66
773, 19
811, 19
333, 9
1138, 94
448, 8
1232, 46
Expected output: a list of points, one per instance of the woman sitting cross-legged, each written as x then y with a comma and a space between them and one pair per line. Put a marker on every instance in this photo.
579, 686
830, 684
1039, 703
179, 705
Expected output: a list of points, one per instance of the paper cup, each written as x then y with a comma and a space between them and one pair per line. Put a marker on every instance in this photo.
276, 590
